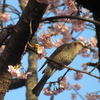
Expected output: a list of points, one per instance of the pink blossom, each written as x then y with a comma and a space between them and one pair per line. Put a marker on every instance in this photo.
71, 5
65, 79
66, 38
4, 17
85, 52
54, 10
73, 96
63, 84
85, 12
93, 41
61, 28
41, 52
46, 40
83, 39
77, 86
16, 73
93, 96
58, 42
24, 75
78, 76
78, 25
84, 66
95, 55
48, 92
54, 2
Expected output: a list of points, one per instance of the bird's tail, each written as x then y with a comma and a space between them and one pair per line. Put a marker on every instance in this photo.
37, 89
47, 74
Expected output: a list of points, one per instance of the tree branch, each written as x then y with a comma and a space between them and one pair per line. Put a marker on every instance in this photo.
70, 68
71, 17
17, 83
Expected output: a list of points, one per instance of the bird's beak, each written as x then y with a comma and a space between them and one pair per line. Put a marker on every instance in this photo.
85, 46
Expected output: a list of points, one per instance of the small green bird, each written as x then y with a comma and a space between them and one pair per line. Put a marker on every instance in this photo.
63, 54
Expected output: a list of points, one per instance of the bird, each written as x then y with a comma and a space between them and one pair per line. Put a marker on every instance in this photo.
64, 54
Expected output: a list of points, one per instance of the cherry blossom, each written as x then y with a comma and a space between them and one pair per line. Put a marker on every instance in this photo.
78, 76
83, 39
71, 5
59, 42
42, 54
61, 28
92, 96
48, 92
63, 84
95, 55
77, 86
85, 52
85, 12
84, 66
4, 17
66, 38
46, 40
16, 73
40, 51
93, 41
73, 96
78, 25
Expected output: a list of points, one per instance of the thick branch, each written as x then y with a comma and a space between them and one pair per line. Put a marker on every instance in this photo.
17, 83
71, 17
15, 47
4, 34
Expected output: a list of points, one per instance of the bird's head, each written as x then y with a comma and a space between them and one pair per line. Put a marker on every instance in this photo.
79, 45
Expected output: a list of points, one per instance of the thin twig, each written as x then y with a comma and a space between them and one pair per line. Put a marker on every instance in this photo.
95, 67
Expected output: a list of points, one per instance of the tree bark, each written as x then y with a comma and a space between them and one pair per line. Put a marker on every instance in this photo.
16, 46
32, 80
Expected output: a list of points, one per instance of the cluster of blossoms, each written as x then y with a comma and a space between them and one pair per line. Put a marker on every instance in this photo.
63, 85
92, 44
85, 67
4, 17
93, 96
15, 72
78, 76
46, 42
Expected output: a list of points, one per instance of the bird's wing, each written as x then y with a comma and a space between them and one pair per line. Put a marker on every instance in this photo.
43, 65
56, 52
